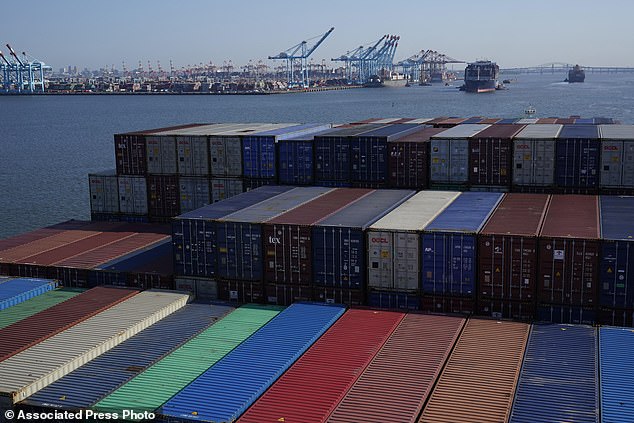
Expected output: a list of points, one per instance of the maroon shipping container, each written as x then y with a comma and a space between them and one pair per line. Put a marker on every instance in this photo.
130, 154
507, 248
163, 199
491, 156
507, 309
40, 326
616, 317
408, 162
281, 294
569, 251
547, 120
287, 237
450, 122
241, 291
447, 304
330, 295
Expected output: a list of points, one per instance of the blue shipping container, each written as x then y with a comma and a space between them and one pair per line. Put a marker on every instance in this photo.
449, 242
394, 300
577, 157
617, 259
193, 233
338, 242
558, 381
566, 314
472, 120
584, 121
295, 161
18, 290
91, 382
506, 121
617, 374
229, 387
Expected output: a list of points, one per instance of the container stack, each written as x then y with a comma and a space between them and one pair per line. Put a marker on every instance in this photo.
617, 159
577, 159
534, 158
408, 161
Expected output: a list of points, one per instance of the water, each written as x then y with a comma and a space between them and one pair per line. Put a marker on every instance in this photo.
48, 145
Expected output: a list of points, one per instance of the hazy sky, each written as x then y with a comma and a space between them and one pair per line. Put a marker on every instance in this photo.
511, 32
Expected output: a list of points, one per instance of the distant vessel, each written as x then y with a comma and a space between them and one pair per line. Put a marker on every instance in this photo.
394, 80
373, 81
481, 77
576, 74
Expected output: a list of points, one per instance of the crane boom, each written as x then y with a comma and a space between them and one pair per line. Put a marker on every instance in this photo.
14, 55
321, 40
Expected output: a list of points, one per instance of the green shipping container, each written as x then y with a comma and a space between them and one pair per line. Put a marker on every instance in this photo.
35, 305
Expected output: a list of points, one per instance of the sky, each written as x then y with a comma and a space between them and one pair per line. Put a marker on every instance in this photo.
87, 33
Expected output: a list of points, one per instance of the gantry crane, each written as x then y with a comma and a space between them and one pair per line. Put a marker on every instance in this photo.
373, 59
24, 75
298, 55
426, 66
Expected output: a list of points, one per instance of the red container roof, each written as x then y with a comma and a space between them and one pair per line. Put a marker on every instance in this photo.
572, 216
518, 214
503, 131
424, 134
489, 121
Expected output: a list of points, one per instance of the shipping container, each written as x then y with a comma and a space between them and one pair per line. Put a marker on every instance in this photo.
616, 284
450, 122
420, 121
338, 241
17, 290
507, 121
96, 335
527, 121
555, 313
449, 245
398, 381
507, 248
569, 250
133, 195
617, 156
617, 374
91, 382
506, 309
534, 155
566, 121
35, 305
449, 154
548, 121
369, 154
296, 164
447, 304
194, 233
584, 121
130, 154
577, 157
161, 155
201, 288
559, 377
338, 357
104, 192
472, 120
467, 386
408, 160
491, 156
164, 379
193, 155
349, 297
241, 292
223, 188
238, 379
250, 183
489, 121
435, 121
194, 193
287, 238
394, 241
284, 295
615, 316
393, 300
239, 235
163, 198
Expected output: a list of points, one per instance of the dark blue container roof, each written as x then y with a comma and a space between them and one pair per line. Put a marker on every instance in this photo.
287, 130
579, 131
506, 121
472, 120
468, 213
558, 381
617, 217
392, 130
367, 210
617, 374
140, 259
352, 131
233, 204
308, 137
584, 121
91, 382
17, 290
603, 121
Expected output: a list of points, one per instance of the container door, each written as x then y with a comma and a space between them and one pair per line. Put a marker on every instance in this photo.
184, 152
440, 160
434, 276
459, 161
544, 164
628, 164
523, 162
153, 154
611, 163
200, 157
217, 156
380, 259
169, 162
406, 261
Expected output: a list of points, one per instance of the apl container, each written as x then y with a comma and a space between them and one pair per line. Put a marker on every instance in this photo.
450, 154
338, 241
616, 288
394, 241
569, 250
577, 158
104, 192
449, 245
617, 373
534, 155
133, 195
617, 156
161, 155
288, 236
194, 193
408, 160
163, 198
491, 156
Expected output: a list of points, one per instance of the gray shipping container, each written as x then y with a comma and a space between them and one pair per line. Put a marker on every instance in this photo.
449, 155
161, 155
394, 241
133, 195
194, 193
534, 155
222, 188
193, 155
104, 192
617, 156
202, 289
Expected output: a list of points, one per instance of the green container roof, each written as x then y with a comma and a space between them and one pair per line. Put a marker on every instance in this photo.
152, 388
35, 305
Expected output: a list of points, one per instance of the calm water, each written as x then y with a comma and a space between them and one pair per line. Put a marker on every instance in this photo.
48, 145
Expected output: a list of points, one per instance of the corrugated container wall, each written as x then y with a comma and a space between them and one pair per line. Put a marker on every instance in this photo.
534, 155
18, 290
295, 157
104, 192
577, 158
193, 155
491, 156
408, 160
394, 241
450, 154
223, 188
449, 245
163, 196
161, 155
617, 156
35, 305
194, 193
225, 153
617, 373
130, 154
133, 195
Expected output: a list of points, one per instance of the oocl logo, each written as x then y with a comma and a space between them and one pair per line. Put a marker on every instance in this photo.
610, 148
379, 240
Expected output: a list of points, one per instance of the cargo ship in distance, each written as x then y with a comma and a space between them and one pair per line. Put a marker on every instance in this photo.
481, 77
576, 74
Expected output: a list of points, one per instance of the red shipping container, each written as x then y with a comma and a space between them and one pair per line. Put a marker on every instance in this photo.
398, 381
616, 317
569, 251
507, 309
491, 156
163, 196
286, 295
287, 237
408, 160
346, 296
507, 248
241, 292
310, 390
447, 304
40, 326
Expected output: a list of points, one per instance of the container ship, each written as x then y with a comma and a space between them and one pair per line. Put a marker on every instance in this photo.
576, 74
481, 77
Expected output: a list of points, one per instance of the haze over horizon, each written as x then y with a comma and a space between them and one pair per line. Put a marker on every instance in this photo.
196, 31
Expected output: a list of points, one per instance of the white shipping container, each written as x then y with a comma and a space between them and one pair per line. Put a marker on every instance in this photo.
194, 193
449, 155
534, 155
394, 241
617, 156
40, 365
222, 188
161, 155
133, 195
225, 155
104, 192
193, 155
